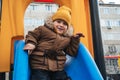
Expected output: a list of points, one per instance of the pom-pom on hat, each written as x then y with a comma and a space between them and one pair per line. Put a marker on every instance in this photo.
63, 13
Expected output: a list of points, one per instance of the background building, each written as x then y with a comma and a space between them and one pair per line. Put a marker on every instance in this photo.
36, 14
110, 29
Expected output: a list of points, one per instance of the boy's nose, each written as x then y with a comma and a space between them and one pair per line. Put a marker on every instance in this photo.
61, 24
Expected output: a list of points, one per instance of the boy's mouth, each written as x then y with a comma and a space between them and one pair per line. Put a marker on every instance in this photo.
60, 28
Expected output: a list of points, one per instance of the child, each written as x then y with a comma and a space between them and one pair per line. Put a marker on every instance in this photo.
49, 44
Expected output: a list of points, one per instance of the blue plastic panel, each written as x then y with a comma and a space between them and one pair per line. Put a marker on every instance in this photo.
82, 67
21, 63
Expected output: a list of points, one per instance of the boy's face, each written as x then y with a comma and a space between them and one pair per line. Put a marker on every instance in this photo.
60, 26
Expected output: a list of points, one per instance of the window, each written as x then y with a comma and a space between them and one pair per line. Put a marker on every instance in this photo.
117, 10
48, 7
108, 24
118, 23
106, 11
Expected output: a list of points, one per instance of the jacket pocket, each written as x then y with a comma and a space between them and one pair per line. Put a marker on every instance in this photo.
61, 61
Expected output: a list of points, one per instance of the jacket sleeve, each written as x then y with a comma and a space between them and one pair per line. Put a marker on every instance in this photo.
33, 36
72, 48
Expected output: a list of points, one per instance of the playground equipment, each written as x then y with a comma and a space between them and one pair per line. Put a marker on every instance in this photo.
12, 27
82, 67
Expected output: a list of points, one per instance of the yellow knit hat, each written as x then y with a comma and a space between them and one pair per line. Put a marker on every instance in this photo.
63, 13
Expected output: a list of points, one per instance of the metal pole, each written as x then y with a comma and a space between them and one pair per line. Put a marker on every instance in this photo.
97, 40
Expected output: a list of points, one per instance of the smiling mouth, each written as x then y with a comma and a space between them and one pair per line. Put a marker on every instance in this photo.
59, 28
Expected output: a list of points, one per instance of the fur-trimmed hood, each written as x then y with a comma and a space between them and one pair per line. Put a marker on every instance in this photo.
49, 24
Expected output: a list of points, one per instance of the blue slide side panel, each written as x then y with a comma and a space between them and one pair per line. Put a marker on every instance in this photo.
21, 63
83, 67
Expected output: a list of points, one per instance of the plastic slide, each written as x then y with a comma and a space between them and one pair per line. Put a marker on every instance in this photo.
21, 64
82, 67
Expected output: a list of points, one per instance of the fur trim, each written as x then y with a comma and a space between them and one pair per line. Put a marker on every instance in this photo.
49, 24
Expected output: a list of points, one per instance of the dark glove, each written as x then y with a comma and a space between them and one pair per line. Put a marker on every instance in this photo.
78, 35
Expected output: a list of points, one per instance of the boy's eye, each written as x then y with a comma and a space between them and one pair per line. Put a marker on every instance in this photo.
65, 23
58, 21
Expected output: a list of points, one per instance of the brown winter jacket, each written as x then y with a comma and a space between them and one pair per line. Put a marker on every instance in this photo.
49, 43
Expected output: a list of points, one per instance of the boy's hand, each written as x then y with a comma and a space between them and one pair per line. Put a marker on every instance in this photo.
78, 35
29, 46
